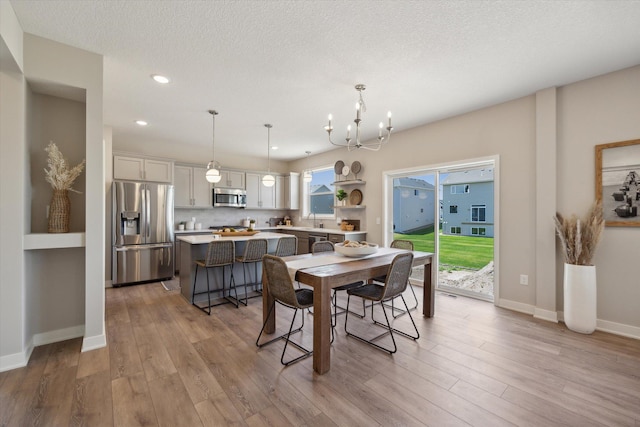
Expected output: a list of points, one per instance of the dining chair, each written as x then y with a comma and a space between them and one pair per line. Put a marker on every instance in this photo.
253, 252
406, 245
220, 254
394, 285
287, 246
280, 287
327, 246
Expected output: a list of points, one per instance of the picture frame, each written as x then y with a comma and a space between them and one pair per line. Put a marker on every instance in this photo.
618, 182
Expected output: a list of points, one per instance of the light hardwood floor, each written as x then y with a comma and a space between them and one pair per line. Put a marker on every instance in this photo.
169, 364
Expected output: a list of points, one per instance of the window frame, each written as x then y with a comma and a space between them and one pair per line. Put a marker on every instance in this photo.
478, 208
306, 195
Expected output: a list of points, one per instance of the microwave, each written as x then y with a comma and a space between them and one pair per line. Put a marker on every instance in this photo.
229, 198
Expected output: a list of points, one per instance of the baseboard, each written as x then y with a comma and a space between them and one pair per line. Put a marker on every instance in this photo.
108, 284
58, 335
93, 343
16, 360
612, 327
551, 316
516, 306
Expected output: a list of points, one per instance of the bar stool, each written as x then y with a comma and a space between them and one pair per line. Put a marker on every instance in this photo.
287, 246
220, 254
254, 250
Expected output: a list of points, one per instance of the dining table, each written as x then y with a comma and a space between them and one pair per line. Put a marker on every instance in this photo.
327, 270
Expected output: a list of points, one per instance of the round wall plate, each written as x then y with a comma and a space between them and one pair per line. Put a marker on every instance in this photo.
338, 167
356, 167
345, 170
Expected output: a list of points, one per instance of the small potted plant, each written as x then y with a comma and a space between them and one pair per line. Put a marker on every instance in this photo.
341, 195
579, 238
252, 224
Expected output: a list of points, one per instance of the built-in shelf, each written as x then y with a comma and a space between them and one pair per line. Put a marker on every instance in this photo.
53, 240
350, 182
350, 207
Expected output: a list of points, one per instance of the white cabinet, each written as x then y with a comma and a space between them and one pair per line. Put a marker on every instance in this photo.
287, 191
231, 179
191, 189
141, 169
259, 196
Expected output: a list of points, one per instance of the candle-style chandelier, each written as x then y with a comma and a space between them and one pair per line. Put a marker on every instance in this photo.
353, 144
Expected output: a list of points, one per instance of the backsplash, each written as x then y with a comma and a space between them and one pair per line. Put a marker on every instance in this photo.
226, 216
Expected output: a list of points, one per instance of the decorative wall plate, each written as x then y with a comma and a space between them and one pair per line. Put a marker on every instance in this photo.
355, 197
338, 167
345, 171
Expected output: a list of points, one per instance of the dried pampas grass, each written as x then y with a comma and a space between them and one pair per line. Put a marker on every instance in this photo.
58, 174
579, 237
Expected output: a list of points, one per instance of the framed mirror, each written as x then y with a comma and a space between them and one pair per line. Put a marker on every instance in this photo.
618, 182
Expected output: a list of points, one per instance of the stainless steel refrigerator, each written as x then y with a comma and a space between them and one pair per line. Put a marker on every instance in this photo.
142, 232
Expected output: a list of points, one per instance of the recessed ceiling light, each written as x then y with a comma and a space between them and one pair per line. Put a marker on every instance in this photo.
160, 79
274, 148
141, 122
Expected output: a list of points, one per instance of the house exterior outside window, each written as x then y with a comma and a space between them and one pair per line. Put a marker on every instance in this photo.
413, 204
469, 195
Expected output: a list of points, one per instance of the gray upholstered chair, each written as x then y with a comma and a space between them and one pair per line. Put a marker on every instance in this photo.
395, 284
287, 246
281, 288
220, 254
254, 250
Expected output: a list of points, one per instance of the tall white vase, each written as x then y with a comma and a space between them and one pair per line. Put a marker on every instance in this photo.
580, 309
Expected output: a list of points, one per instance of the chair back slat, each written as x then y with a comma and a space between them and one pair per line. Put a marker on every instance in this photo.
287, 246
278, 280
220, 252
398, 275
254, 250
322, 246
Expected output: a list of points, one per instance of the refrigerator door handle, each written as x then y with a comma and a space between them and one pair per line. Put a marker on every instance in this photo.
148, 216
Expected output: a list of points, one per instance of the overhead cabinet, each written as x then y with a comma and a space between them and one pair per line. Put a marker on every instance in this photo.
141, 169
259, 196
191, 190
231, 179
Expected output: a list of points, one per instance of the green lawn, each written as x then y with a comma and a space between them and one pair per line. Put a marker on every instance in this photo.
455, 251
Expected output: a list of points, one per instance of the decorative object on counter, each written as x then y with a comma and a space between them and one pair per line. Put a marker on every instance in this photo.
350, 143
213, 167
61, 179
181, 226
252, 224
268, 180
579, 239
355, 197
198, 226
345, 226
341, 195
307, 175
356, 167
287, 220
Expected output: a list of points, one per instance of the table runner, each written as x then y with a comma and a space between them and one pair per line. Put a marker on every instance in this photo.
332, 258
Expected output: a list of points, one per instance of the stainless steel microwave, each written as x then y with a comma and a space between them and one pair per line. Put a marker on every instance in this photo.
229, 198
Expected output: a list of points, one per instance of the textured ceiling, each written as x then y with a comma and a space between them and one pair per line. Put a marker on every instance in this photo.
290, 63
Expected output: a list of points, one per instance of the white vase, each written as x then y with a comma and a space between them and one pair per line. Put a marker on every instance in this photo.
580, 308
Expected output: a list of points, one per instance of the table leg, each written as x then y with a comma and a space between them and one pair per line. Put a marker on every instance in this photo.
321, 329
429, 291
267, 300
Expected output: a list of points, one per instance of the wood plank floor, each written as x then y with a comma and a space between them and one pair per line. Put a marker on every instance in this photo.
169, 364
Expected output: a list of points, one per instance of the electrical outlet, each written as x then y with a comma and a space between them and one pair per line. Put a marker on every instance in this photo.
378, 220
524, 279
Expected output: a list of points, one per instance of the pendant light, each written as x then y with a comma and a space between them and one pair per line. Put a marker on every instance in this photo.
268, 180
213, 168
307, 175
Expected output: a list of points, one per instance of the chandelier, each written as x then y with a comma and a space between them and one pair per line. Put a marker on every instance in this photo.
213, 167
352, 144
268, 180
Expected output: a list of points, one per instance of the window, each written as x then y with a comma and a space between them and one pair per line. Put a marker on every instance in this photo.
478, 231
478, 213
455, 230
460, 189
453, 209
319, 193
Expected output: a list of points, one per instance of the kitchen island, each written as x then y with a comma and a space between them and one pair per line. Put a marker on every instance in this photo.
194, 247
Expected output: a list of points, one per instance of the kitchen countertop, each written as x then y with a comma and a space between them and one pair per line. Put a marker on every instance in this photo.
200, 239
318, 230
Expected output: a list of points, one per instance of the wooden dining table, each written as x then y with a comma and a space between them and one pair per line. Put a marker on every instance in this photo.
325, 277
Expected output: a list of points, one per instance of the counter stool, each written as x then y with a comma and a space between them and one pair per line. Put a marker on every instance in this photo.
220, 254
254, 250
287, 246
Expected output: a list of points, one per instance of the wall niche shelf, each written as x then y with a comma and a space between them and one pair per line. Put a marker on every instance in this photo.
350, 207
36, 241
349, 182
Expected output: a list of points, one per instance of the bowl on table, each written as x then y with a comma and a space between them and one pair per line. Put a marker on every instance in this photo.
356, 252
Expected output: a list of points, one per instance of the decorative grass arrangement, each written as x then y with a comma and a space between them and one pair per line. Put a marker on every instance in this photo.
579, 237
58, 173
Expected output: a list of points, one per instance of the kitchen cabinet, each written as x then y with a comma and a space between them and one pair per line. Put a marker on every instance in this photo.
191, 189
303, 240
259, 196
288, 191
231, 179
142, 169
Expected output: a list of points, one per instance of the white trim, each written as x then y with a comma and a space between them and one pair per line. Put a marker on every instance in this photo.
540, 313
16, 360
108, 283
516, 306
612, 327
93, 343
58, 335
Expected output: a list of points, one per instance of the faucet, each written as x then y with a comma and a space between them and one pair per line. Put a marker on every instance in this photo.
314, 218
